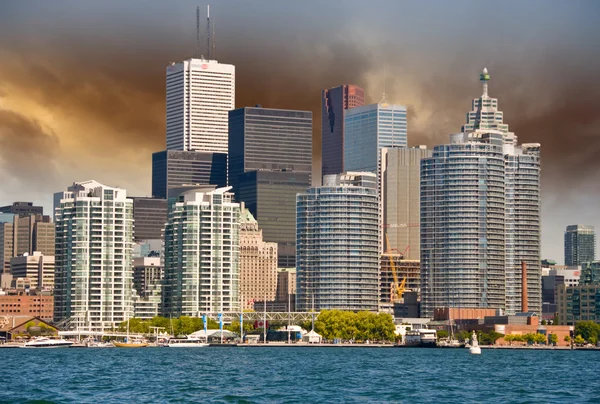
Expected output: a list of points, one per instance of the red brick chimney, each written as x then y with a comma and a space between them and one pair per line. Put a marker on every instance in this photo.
524, 307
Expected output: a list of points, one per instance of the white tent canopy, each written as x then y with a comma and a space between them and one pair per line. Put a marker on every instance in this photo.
312, 337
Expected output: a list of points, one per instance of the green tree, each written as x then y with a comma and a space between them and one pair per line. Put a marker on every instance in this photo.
235, 327
579, 340
593, 340
442, 334
463, 335
553, 339
567, 338
539, 338
587, 330
555, 321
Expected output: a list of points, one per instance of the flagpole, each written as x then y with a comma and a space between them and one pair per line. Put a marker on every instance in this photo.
265, 321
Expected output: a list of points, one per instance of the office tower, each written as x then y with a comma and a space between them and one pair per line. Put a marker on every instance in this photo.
94, 266
367, 130
286, 287
580, 244
258, 263
480, 216
270, 161
173, 168
334, 102
148, 274
22, 209
202, 241
37, 267
23, 233
150, 216
199, 95
338, 231
400, 198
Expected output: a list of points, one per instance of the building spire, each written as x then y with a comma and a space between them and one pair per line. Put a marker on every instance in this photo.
484, 77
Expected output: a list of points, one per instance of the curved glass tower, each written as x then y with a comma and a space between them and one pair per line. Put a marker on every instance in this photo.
337, 238
480, 216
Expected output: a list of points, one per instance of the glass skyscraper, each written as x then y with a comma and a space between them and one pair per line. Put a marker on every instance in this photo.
367, 130
338, 231
480, 216
93, 263
202, 253
270, 161
334, 103
580, 244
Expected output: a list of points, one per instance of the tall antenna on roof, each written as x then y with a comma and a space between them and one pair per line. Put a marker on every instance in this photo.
214, 54
208, 30
198, 31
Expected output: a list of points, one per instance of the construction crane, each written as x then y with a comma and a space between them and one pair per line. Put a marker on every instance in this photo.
398, 288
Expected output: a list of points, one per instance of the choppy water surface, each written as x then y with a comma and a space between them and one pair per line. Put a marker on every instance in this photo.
306, 375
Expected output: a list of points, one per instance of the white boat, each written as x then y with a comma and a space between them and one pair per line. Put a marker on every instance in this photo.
188, 342
475, 349
44, 342
422, 338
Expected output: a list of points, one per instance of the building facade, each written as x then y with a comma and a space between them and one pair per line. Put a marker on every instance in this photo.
199, 95
148, 275
150, 216
334, 102
258, 263
338, 233
286, 285
35, 305
37, 267
408, 270
400, 198
367, 130
22, 209
174, 168
270, 161
578, 303
94, 264
480, 217
580, 244
202, 253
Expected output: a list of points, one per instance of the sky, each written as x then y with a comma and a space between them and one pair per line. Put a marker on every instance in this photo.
82, 84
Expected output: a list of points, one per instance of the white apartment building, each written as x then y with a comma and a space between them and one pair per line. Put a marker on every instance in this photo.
202, 248
200, 93
94, 265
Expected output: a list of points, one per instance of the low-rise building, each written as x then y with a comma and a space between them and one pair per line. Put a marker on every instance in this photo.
578, 303
41, 306
23, 327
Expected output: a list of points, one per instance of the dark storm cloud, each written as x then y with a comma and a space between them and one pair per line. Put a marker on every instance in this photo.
28, 151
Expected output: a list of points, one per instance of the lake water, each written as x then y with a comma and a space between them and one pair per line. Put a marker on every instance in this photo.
303, 375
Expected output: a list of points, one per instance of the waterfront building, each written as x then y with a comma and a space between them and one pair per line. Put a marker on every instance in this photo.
370, 128
22, 304
150, 216
258, 263
270, 161
37, 267
400, 197
200, 93
334, 102
338, 232
94, 266
174, 168
202, 253
480, 216
22, 209
580, 244
578, 303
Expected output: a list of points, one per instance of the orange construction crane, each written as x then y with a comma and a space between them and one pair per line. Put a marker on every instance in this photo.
398, 288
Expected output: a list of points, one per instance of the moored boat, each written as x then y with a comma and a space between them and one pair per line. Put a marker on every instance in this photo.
187, 342
420, 338
131, 344
44, 342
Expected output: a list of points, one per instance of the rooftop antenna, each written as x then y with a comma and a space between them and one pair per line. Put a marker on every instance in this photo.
198, 31
383, 101
208, 30
484, 77
214, 55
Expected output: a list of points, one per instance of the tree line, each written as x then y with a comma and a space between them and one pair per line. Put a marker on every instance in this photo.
351, 326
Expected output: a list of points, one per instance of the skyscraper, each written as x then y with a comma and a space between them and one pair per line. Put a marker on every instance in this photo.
150, 216
174, 168
400, 197
202, 253
338, 234
258, 263
22, 209
199, 95
367, 130
480, 216
334, 102
94, 264
270, 161
580, 244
